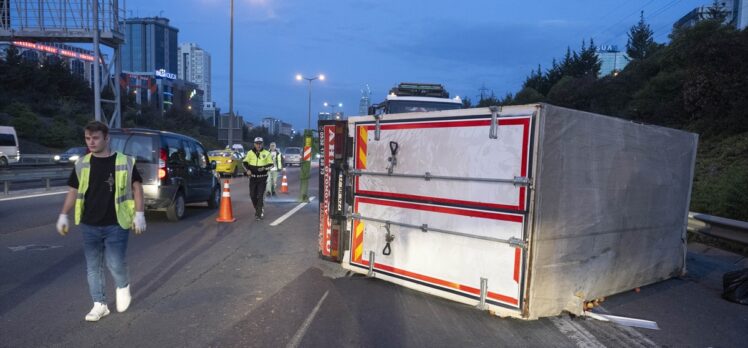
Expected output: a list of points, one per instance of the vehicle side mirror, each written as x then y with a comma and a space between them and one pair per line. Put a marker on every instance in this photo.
212, 164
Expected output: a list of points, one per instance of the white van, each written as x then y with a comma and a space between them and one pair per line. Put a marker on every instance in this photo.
9, 152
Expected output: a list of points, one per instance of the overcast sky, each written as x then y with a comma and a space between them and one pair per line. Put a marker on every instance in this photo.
461, 44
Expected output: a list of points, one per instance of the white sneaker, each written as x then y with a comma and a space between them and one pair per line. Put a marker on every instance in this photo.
98, 311
123, 298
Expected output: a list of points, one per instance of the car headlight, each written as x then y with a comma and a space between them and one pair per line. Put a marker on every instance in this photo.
74, 157
57, 157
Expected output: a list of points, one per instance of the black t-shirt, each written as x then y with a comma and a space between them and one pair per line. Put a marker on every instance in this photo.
98, 209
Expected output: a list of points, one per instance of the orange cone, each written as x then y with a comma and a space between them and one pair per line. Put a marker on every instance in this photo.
225, 212
284, 184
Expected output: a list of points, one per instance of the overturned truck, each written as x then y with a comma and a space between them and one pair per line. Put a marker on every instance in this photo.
525, 211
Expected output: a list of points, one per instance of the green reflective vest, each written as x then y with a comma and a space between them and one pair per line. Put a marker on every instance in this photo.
124, 204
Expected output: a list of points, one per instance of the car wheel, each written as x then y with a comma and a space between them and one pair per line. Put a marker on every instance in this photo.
3, 162
215, 198
175, 211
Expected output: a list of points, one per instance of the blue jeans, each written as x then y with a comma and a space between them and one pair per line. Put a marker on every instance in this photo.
110, 243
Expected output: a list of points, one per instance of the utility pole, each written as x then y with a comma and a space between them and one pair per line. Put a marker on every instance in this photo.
231, 79
97, 67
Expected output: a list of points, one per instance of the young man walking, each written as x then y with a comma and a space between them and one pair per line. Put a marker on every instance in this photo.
276, 158
257, 163
107, 193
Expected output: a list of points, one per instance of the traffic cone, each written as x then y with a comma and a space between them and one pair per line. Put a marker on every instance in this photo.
225, 212
284, 184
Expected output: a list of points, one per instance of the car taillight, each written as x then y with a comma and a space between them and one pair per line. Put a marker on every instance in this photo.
162, 165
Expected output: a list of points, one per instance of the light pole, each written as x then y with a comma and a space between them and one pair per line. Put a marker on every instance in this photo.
332, 107
309, 110
230, 138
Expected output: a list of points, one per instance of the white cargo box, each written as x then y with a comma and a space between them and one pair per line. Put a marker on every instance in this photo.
547, 209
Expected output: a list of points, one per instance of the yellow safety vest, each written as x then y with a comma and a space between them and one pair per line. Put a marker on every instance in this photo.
124, 204
253, 160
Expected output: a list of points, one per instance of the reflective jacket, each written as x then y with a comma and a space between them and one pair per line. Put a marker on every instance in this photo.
277, 164
124, 203
255, 161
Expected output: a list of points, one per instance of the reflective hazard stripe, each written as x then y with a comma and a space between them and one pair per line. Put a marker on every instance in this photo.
307, 153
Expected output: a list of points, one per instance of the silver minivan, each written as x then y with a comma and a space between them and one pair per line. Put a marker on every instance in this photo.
174, 167
9, 152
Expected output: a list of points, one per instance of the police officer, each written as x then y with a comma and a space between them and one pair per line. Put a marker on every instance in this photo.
257, 163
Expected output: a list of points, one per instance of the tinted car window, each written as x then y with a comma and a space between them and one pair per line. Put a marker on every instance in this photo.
293, 151
174, 150
7, 140
138, 146
201, 160
189, 152
75, 151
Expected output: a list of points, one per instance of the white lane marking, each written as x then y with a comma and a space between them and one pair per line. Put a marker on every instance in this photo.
32, 196
291, 212
296, 339
581, 337
33, 247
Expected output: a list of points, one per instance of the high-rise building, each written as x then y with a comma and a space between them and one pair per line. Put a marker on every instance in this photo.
193, 64
150, 45
612, 60
365, 102
285, 129
735, 12
276, 126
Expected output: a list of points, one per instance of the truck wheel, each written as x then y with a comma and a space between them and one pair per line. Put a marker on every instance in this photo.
215, 198
175, 211
3, 162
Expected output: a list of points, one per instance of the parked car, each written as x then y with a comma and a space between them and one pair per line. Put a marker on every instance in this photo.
9, 152
227, 162
71, 155
175, 169
292, 156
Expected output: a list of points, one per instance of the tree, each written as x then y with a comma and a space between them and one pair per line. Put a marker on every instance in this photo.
716, 12
641, 43
467, 103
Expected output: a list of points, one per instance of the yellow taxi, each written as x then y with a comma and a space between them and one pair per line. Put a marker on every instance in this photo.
228, 162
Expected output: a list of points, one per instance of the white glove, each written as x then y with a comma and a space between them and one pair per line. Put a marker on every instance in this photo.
63, 224
139, 222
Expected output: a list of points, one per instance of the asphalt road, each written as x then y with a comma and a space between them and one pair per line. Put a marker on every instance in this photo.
197, 283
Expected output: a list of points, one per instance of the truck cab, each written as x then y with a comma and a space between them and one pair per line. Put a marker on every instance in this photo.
416, 97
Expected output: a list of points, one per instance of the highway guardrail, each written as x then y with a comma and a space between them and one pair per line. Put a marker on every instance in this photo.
25, 174
718, 227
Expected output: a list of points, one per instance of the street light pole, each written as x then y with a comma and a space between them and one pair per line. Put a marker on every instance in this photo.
231, 78
309, 108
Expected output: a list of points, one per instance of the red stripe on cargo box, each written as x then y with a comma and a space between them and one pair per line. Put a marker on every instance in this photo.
443, 200
440, 209
517, 257
444, 283
523, 121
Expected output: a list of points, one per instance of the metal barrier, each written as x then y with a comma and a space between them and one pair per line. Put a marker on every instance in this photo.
24, 175
36, 159
718, 227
